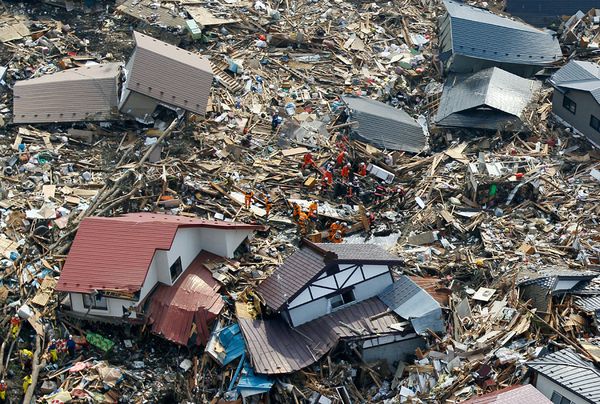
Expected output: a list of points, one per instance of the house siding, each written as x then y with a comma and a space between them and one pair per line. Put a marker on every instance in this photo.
465, 64
391, 348
313, 301
115, 306
547, 387
586, 106
138, 105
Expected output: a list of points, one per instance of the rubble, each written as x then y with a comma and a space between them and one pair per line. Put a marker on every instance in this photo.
284, 201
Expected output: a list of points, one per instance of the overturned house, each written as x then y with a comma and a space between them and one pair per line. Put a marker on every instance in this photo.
491, 99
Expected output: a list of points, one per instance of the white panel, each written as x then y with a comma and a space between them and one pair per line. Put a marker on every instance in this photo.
354, 279
372, 287
114, 306
328, 282
343, 276
308, 312
374, 270
318, 292
303, 297
547, 387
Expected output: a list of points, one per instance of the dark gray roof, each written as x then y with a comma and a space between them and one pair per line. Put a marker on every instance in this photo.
543, 12
571, 371
491, 98
579, 75
480, 34
306, 264
412, 303
550, 278
277, 348
588, 303
384, 126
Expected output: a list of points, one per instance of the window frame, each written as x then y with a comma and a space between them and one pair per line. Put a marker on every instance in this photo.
96, 304
342, 299
177, 264
567, 103
558, 398
597, 127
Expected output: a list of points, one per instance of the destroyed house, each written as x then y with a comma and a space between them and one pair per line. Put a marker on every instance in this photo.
566, 378
162, 75
491, 99
576, 98
472, 39
384, 126
542, 13
327, 293
88, 93
149, 266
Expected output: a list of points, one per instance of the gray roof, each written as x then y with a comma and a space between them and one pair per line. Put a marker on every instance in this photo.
81, 94
579, 75
557, 279
542, 12
480, 34
571, 371
412, 303
588, 303
491, 99
384, 126
309, 262
170, 74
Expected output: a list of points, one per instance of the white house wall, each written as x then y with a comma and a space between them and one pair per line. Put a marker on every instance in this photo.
547, 387
311, 302
115, 306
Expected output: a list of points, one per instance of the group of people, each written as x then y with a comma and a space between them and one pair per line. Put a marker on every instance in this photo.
306, 221
267, 203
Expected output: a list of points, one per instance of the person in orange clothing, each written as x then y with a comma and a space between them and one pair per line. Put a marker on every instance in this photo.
308, 161
296, 212
302, 223
333, 230
341, 158
362, 169
346, 172
248, 195
313, 207
268, 206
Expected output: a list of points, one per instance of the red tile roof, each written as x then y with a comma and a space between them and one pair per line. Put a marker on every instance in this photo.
114, 253
511, 395
191, 304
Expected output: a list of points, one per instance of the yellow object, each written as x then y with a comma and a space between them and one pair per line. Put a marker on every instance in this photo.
54, 355
26, 383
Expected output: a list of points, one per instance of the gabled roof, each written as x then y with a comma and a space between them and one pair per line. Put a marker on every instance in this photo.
491, 98
410, 302
511, 395
170, 74
579, 75
114, 253
481, 34
571, 371
191, 303
557, 280
384, 126
309, 262
81, 94
276, 348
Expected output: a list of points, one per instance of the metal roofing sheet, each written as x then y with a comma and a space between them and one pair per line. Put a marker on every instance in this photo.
115, 252
410, 302
511, 395
81, 94
170, 74
579, 75
588, 303
276, 348
493, 89
571, 371
191, 303
384, 126
481, 34
308, 262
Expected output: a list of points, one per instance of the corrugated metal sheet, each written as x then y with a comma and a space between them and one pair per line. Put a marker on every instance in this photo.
591, 303
307, 263
81, 94
543, 12
115, 252
191, 303
481, 34
571, 371
511, 395
384, 126
170, 74
412, 303
276, 348
503, 96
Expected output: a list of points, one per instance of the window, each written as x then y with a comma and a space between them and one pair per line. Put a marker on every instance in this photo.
569, 104
595, 123
176, 269
559, 399
342, 299
96, 302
